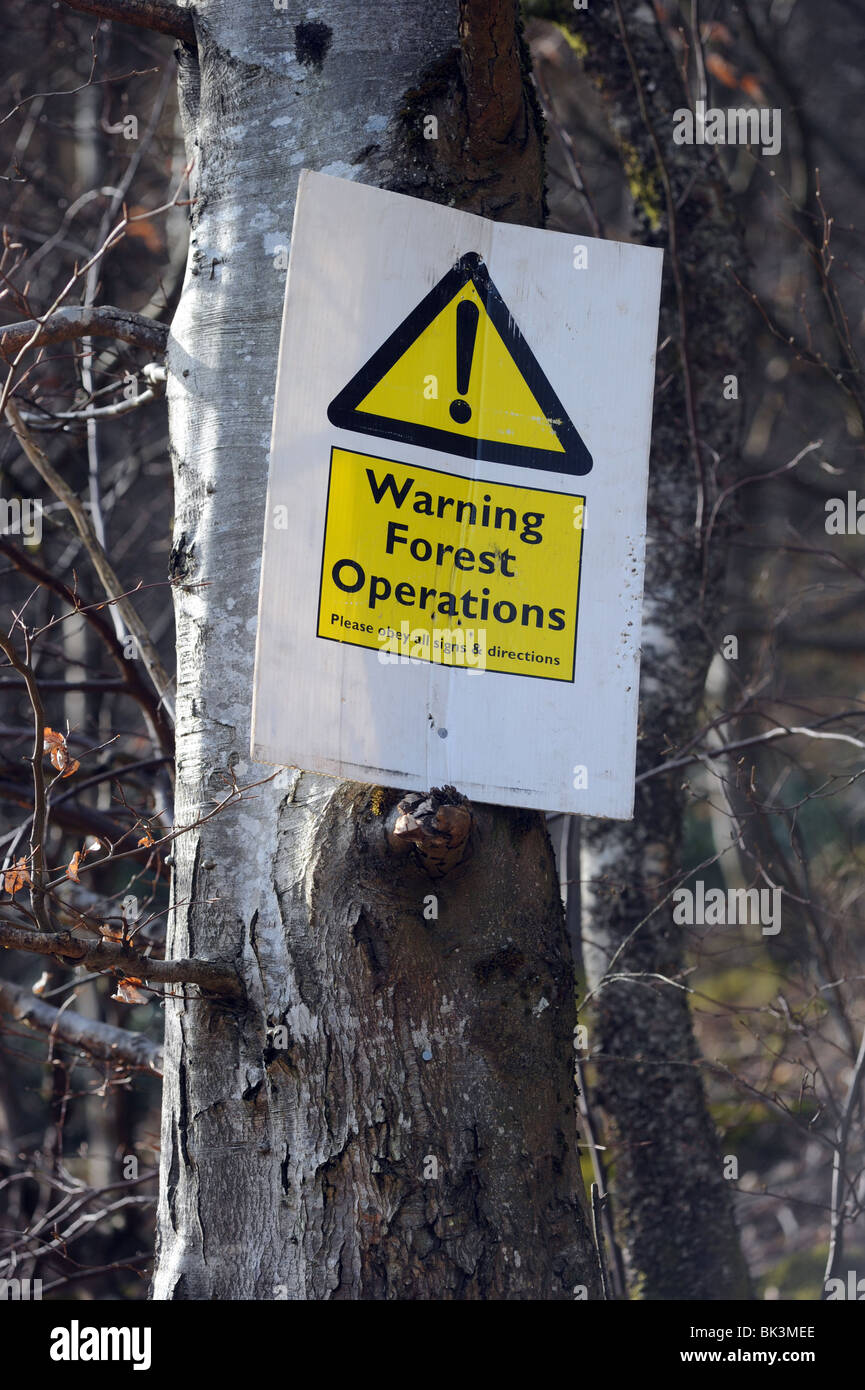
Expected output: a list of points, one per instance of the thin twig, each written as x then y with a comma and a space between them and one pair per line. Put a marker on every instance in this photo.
40, 800
597, 1228
782, 731
619, 1284
113, 588
138, 689
101, 412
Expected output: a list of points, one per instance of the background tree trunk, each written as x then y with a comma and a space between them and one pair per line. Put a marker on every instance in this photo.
673, 1205
416, 1138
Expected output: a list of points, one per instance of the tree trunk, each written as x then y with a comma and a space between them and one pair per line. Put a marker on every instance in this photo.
392, 1113
673, 1203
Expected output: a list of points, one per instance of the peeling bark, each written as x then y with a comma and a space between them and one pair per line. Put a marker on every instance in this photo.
487, 155
392, 1115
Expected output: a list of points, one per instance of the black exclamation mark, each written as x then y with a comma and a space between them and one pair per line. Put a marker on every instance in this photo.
467, 329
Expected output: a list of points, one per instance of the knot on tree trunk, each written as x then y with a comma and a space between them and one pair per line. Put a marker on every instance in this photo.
435, 825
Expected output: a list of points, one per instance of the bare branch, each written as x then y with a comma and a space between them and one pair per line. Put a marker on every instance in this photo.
97, 1039
102, 412
81, 820
836, 1242
570, 153
161, 16
137, 688
597, 1229
112, 957
782, 731
40, 801
110, 582
79, 321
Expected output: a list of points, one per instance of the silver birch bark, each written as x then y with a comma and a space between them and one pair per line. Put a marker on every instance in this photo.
416, 1136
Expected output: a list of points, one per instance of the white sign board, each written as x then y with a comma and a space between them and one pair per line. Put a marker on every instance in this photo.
453, 549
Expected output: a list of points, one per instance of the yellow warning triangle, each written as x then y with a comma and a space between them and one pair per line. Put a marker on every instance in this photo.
457, 375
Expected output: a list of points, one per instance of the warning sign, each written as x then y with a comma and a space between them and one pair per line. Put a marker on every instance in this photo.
454, 534
458, 375
424, 565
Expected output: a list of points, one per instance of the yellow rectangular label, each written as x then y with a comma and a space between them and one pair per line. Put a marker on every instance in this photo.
422, 565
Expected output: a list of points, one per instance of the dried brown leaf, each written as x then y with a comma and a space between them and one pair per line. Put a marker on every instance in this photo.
127, 992
54, 745
16, 877
722, 70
